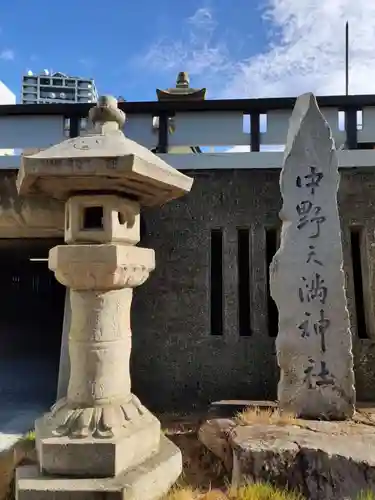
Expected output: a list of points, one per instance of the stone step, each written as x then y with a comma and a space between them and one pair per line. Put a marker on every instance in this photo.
149, 481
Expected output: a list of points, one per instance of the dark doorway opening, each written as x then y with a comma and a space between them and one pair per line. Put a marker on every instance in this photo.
31, 319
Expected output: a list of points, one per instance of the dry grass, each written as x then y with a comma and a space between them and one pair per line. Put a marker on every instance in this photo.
183, 493
214, 495
257, 491
368, 495
255, 415
23, 453
262, 491
249, 492
30, 436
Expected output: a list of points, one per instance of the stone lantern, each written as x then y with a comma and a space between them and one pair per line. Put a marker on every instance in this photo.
100, 438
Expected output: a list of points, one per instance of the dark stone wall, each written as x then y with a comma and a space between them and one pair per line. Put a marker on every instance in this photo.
29, 216
176, 361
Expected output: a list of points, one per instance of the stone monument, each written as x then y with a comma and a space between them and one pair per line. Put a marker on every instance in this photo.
100, 441
314, 343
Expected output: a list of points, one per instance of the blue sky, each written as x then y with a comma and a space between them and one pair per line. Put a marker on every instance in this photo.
236, 48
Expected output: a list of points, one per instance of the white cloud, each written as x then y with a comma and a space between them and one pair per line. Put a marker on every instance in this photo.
202, 19
309, 52
7, 55
306, 51
196, 52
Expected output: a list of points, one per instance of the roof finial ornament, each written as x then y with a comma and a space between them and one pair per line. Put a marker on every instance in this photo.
182, 90
183, 79
106, 116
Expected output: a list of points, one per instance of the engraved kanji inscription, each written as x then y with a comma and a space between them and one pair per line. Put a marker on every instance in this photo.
314, 378
311, 256
324, 377
320, 328
308, 378
310, 214
304, 326
310, 181
313, 289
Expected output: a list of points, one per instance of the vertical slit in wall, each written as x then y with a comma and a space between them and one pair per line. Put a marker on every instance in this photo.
355, 241
243, 262
216, 282
272, 311
142, 228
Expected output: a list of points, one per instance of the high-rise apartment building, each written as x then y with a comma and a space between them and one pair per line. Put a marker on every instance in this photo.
48, 87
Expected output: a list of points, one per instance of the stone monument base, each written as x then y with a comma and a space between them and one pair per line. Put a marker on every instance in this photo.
322, 460
149, 481
137, 439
